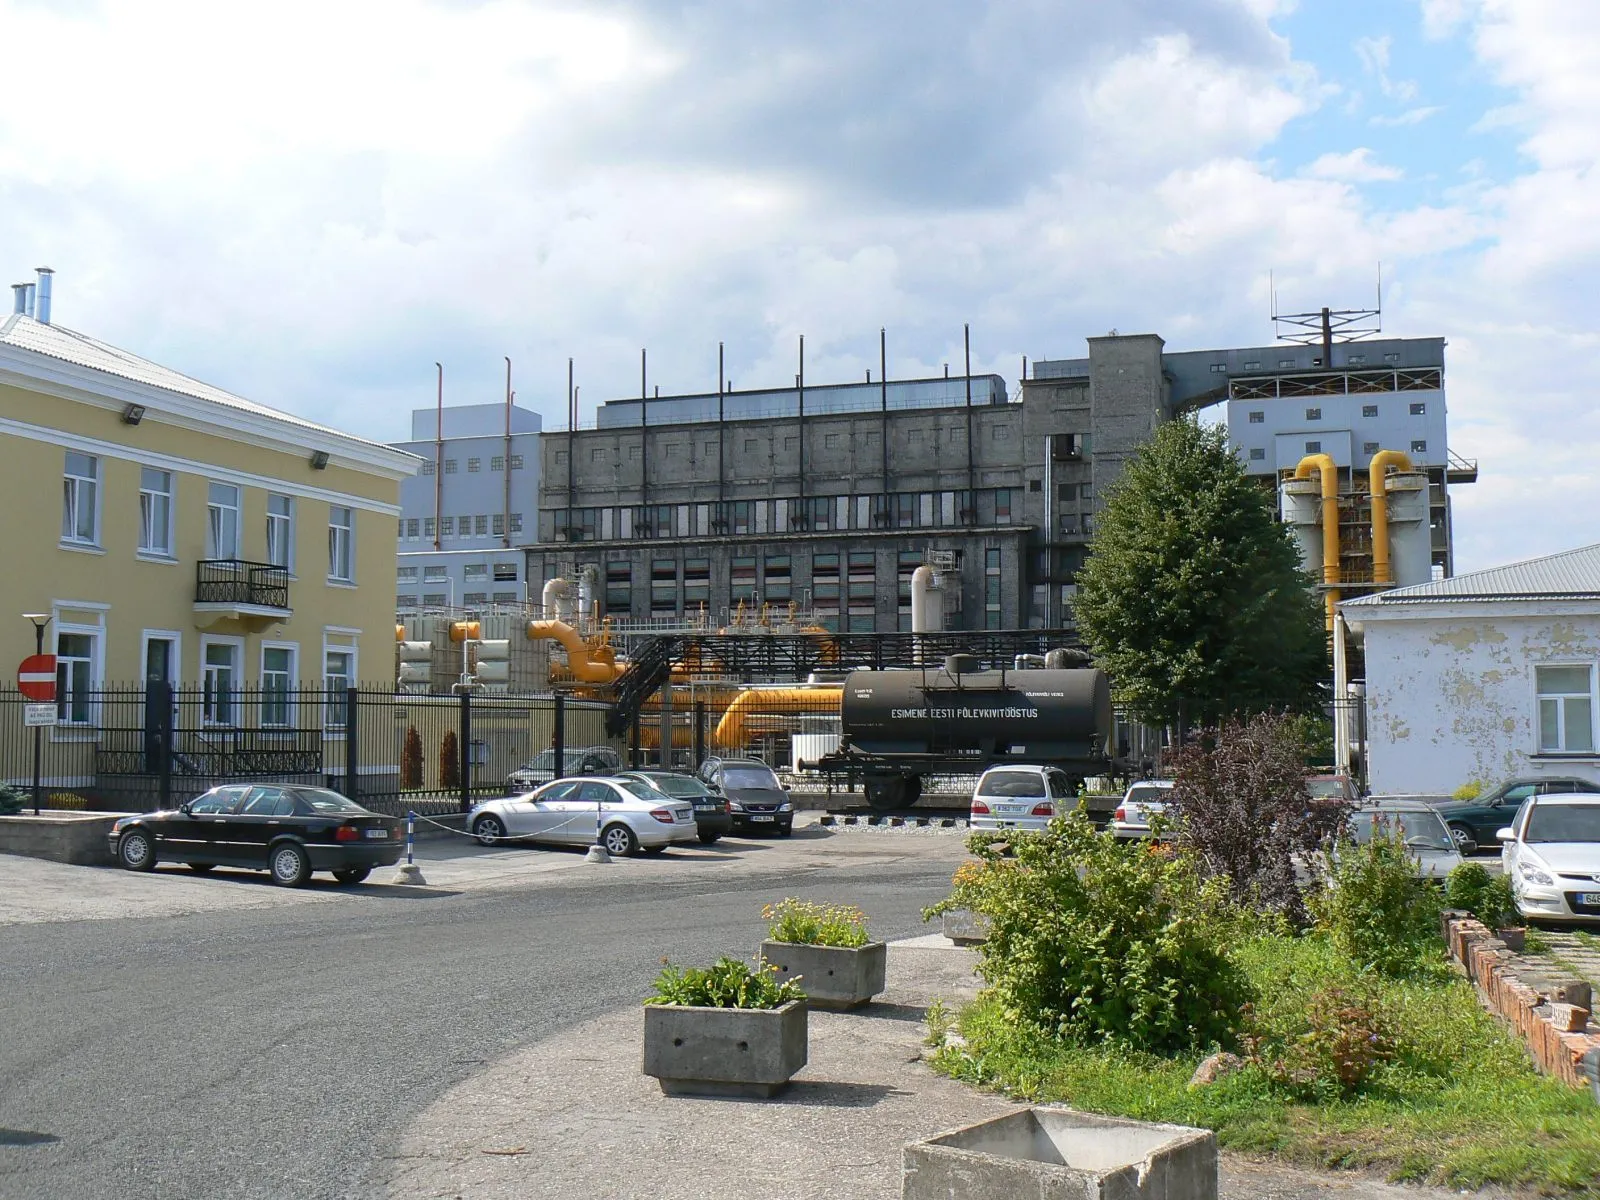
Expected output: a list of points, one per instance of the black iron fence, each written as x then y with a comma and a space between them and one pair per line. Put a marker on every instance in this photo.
234, 581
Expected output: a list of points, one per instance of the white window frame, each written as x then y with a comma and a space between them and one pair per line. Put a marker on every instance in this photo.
216, 520
331, 726
96, 665
73, 487
1539, 697
148, 531
289, 693
287, 521
210, 713
347, 543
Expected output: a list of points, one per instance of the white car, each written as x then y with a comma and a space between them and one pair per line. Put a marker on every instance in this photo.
1551, 855
1143, 800
623, 815
1022, 797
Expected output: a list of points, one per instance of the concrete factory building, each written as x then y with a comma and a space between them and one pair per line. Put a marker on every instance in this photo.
462, 516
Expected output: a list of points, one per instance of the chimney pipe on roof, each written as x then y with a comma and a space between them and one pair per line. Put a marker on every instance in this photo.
42, 306
19, 297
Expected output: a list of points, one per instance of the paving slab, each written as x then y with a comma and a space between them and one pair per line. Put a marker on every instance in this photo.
574, 1116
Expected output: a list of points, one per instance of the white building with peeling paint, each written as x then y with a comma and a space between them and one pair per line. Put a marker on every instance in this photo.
1483, 676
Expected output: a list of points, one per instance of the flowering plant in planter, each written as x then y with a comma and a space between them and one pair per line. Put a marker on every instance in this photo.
799, 922
827, 945
727, 983
724, 1030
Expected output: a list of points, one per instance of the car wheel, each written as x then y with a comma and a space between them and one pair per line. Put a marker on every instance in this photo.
488, 829
707, 839
1465, 842
619, 841
290, 865
137, 851
200, 868
351, 876
786, 831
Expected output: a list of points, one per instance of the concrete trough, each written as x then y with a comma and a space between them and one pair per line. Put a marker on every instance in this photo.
1060, 1154
834, 977
61, 835
964, 927
738, 1052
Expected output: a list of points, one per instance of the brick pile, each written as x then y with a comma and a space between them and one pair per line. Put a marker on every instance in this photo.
1548, 1007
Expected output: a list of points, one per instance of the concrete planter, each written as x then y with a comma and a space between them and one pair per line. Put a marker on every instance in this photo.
1059, 1154
965, 928
80, 838
724, 1051
831, 976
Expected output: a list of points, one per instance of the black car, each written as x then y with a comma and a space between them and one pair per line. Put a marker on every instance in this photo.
1474, 823
711, 816
287, 830
757, 802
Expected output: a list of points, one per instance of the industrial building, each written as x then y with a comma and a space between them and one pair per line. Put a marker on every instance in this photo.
462, 518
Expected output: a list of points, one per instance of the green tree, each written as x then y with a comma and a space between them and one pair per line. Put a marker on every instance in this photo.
1193, 598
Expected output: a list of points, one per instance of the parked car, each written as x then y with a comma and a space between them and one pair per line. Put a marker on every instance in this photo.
1142, 800
1551, 855
1426, 837
756, 800
1475, 823
576, 760
1019, 797
712, 818
1333, 786
287, 830
623, 815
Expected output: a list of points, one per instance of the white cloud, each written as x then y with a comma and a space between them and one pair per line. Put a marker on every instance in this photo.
1411, 116
1353, 166
1374, 55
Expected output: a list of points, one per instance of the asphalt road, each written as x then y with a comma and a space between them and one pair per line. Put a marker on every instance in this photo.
280, 1052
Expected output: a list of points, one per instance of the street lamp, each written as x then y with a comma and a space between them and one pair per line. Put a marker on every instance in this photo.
40, 620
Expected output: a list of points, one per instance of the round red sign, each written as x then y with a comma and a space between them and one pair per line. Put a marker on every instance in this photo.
36, 678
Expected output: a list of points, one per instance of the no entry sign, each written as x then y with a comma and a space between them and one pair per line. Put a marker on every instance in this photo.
36, 678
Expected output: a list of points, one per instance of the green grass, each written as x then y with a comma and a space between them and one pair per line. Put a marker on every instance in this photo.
1460, 1106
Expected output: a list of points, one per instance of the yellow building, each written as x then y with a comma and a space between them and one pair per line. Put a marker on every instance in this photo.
173, 531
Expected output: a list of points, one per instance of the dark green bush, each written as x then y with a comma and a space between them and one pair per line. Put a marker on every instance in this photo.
12, 800
1373, 906
1095, 941
1487, 896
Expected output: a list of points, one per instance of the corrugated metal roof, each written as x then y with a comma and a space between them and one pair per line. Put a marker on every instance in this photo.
1569, 575
68, 345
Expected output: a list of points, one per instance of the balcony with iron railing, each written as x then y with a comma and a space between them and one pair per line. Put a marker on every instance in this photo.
231, 588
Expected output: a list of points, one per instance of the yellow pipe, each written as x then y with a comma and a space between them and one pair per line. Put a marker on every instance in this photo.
1328, 471
731, 729
588, 665
1377, 476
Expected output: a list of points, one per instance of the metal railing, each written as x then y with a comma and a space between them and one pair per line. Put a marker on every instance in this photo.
235, 581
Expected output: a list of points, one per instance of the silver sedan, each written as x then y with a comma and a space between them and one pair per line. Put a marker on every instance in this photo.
623, 815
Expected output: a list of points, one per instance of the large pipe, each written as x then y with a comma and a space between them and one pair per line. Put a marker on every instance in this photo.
506, 462
927, 601
557, 599
1328, 470
19, 298
1377, 474
588, 664
438, 465
42, 302
733, 729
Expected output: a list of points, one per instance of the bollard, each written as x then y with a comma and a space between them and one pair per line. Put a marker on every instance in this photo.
408, 872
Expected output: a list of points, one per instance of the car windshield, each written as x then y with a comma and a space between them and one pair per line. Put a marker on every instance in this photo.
543, 761
1011, 783
320, 800
680, 786
1148, 794
749, 777
1564, 823
640, 789
1421, 828
1325, 787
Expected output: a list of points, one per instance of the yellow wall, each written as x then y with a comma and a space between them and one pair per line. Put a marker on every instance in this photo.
138, 595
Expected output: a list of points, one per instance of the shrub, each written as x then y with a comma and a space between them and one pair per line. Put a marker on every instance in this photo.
411, 760
449, 762
808, 924
1373, 906
12, 800
727, 983
1341, 1038
1470, 790
1240, 801
1093, 940
1486, 896
68, 801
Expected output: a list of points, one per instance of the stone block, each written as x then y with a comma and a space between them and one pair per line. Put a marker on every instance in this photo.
831, 976
1569, 1018
965, 928
79, 838
1059, 1154
1576, 992
724, 1051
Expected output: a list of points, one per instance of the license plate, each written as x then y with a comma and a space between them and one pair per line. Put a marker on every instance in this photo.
1589, 898
1009, 809
761, 818
377, 833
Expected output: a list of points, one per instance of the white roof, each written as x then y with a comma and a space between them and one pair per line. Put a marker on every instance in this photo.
1569, 575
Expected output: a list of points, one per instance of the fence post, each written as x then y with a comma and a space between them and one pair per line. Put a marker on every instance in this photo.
633, 751
352, 743
558, 738
163, 745
699, 733
464, 750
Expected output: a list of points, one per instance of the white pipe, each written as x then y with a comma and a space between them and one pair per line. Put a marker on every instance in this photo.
588, 609
927, 601
41, 304
557, 598
1341, 698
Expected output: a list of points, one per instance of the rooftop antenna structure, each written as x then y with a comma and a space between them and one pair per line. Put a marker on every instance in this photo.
1327, 325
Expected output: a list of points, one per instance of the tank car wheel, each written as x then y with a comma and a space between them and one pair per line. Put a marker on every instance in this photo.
885, 792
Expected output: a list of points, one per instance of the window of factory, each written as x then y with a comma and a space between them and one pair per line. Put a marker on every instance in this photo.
1286, 362
671, 449
434, 599
1036, 485
1000, 433
882, 511
1002, 506
1369, 448
741, 516
497, 463
435, 574
497, 525
1257, 417
413, 528
863, 577
474, 599
750, 445
1313, 414
1313, 447
696, 584
663, 587
680, 520
830, 441
597, 455
1391, 358
585, 524
449, 466
820, 512
473, 464
776, 580
762, 511
505, 572
925, 509
1069, 522
633, 454
1257, 454
561, 458
506, 597
405, 600
619, 587
1566, 709
905, 510
782, 513
1369, 410
480, 524
475, 571
1219, 368
427, 469
516, 462
1357, 360
863, 512
1252, 366
841, 512
516, 522
1419, 447
991, 589
825, 580
447, 527
406, 574
790, 443
742, 580
1419, 408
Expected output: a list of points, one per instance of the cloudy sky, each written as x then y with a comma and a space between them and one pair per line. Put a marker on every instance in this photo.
311, 202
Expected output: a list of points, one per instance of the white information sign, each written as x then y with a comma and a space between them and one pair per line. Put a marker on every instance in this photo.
38, 714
